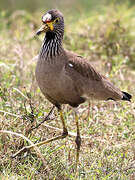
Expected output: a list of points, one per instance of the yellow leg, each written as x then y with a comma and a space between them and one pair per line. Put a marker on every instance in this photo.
63, 122
64, 134
77, 140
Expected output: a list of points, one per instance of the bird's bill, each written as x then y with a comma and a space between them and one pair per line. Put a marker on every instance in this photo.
44, 28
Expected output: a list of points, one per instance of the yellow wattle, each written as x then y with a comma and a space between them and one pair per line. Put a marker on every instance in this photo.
50, 24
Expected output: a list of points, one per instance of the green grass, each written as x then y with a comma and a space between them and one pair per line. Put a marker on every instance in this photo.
107, 40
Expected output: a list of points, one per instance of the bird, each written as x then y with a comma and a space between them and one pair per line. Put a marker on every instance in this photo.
65, 77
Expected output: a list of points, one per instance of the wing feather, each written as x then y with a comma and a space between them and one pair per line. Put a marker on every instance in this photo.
83, 67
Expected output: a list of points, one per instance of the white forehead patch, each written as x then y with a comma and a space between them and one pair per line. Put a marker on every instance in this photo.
47, 17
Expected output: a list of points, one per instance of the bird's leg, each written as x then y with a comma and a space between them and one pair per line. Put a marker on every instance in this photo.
65, 132
63, 135
77, 140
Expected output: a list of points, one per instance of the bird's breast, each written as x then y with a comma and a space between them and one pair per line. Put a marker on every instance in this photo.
48, 76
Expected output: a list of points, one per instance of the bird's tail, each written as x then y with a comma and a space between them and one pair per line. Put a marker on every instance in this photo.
126, 96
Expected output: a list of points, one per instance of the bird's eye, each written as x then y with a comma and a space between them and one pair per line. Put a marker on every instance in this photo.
57, 20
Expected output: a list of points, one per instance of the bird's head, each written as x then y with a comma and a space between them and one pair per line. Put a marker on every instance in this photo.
52, 22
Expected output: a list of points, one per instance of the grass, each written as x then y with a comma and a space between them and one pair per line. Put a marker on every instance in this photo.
108, 150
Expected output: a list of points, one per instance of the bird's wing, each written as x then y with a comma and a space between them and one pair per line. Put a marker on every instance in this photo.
82, 66
88, 81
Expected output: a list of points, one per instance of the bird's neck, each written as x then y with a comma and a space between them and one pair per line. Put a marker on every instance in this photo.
52, 45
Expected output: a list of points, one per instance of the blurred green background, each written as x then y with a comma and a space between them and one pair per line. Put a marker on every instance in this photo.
78, 6
103, 31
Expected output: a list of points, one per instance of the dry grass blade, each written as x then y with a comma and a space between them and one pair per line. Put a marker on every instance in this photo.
21, 93
11, 114
61, 130
35, 147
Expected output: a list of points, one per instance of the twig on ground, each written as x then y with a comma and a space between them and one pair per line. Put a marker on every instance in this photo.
45, 119
34, 146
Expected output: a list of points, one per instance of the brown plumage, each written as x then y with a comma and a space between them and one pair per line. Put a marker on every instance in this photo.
70, 79
67, 78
